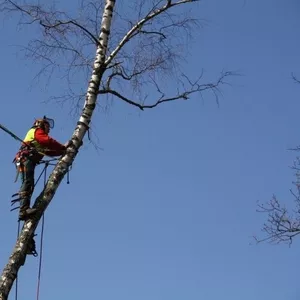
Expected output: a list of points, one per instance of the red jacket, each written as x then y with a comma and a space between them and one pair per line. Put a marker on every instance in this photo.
54, 148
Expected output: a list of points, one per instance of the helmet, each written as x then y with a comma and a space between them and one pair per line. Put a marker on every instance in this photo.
41, 122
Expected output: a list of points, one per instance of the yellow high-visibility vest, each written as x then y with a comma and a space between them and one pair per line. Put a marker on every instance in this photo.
30, 140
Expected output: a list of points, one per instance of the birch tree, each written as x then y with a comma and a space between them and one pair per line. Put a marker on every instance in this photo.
117, 54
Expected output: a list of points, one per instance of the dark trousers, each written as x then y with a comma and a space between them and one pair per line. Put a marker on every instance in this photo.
26, 170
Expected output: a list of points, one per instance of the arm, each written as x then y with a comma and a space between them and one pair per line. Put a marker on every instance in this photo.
53, 147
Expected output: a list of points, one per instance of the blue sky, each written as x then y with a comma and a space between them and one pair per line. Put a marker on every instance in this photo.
167, 209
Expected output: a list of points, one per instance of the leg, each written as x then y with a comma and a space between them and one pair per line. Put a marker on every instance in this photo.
26, 190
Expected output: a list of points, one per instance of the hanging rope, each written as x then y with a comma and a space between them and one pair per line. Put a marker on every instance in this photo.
16, 294
40, 261
41, 240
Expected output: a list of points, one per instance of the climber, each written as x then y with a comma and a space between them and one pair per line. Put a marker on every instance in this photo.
35, 146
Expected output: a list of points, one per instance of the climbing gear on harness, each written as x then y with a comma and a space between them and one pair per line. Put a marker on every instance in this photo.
28, 150
20, 158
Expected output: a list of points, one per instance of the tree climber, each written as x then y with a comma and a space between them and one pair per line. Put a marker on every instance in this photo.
36, 144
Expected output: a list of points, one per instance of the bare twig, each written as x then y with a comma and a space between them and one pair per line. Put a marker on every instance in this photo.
194, 87
38, 15
295, 78
138, 26
280, 227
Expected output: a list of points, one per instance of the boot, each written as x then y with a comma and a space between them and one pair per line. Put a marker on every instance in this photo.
31, 249
26, 214
25, 211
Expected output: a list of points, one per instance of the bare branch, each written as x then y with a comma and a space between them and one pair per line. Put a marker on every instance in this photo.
295, 78
49, 20
117, 94
61, 23
153, 32
138, 26
280, 227
194, 87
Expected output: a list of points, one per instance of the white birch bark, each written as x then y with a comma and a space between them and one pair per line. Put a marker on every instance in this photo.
18, 255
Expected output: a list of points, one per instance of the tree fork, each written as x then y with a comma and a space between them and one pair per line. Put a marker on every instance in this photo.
18, 256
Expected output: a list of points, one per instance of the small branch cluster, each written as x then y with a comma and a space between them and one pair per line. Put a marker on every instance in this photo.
51, 20
65, 42
280, 226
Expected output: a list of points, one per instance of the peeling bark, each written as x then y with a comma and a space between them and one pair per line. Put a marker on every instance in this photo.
18, 256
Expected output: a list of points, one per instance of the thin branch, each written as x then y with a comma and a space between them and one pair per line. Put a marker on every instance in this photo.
60, 23
137, 27
295, 78
120, 71
153, 32
120, 96
195, 87
280, 227
36, 14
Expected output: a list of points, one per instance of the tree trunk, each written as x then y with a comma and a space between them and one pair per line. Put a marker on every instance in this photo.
18, 256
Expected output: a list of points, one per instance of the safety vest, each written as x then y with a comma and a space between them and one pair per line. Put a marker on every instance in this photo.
30, 140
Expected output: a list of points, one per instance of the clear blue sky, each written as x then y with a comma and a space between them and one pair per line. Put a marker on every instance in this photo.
167, 209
